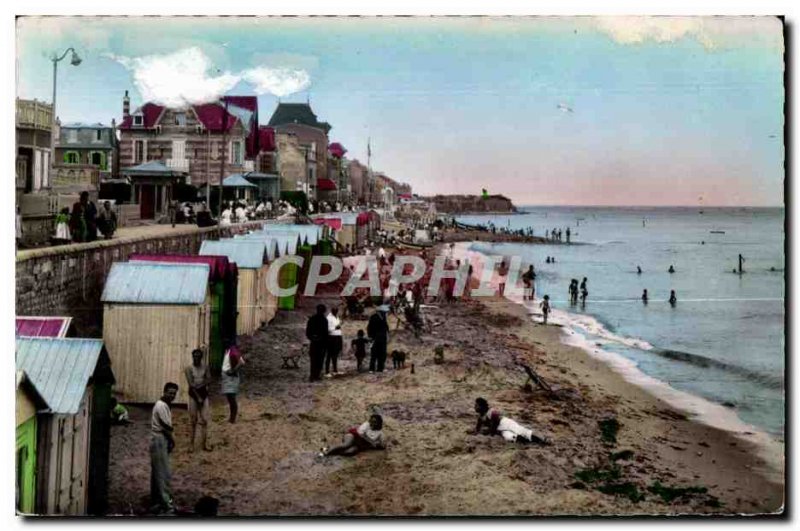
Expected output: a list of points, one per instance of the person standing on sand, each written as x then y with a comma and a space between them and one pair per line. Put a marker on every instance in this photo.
545, 308
496, 423
503, 275
198, 379
378, 332
584, 292
317, 334
334, 347
672, 298
232, 364
161, 445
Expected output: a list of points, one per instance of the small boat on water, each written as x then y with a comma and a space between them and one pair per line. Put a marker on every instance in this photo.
717, 232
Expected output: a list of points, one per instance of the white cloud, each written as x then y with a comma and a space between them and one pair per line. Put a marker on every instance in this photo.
188, 77
277, 81
711, 32
178, 79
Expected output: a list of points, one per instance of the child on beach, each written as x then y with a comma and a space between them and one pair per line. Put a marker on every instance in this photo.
359, 347
496, 423
367, 436
62, 235
545, 308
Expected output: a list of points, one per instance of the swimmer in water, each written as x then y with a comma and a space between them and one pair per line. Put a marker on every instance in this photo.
639, 270
671, 269
644, 296
672, 298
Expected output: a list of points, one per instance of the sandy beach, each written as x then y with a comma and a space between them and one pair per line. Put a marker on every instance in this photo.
267, 463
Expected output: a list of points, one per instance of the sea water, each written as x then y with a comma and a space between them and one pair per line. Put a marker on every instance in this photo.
723, 340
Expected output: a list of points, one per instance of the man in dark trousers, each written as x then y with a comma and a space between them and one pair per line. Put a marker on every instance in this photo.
378, 332
317, 334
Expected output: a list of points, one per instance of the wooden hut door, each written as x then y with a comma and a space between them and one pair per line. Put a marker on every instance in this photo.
73, 447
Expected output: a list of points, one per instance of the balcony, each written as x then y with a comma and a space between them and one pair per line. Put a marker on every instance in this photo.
34, 114
178, 164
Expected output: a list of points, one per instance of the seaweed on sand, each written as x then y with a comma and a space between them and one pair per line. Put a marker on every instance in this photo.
609, 429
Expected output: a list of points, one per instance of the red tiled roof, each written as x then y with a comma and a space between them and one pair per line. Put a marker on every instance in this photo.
325, 185
266, 138
150, 112
212, 116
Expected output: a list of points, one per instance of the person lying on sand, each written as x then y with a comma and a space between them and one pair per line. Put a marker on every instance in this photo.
368, 436
497, 423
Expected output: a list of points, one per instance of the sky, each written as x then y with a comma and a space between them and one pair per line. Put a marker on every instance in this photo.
545, 110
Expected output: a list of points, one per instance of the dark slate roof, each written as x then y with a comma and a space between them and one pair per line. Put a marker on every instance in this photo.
297, 113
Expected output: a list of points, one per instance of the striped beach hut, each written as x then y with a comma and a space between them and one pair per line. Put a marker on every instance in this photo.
251, 258
73, 378
154, 316
222, 284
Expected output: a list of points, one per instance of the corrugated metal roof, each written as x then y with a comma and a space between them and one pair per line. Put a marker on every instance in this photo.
311, 233
287, 241
59, 368
153, 283
244, 253
270, 242
30, 326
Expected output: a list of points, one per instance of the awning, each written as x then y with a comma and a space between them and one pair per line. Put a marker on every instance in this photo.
325, 185
334, 223
237, 181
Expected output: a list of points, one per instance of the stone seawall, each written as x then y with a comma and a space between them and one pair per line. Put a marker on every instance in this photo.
68, 280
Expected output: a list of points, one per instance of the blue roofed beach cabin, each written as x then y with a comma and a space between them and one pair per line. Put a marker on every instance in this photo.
154, 316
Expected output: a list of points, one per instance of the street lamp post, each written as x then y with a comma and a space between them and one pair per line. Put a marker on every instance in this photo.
74, 61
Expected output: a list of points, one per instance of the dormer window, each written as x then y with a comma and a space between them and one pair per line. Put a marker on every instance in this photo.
199, 128
138, 120
180, 118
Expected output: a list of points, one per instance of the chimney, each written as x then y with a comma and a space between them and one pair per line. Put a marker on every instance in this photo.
126, 106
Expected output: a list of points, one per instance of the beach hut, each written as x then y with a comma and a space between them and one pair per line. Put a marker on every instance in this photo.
154, 316
73, 378
251, 259
222, 284
289, 275
29, 402
275, 248
36, 326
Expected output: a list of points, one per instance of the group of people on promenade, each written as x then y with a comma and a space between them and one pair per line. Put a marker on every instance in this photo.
83, 222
